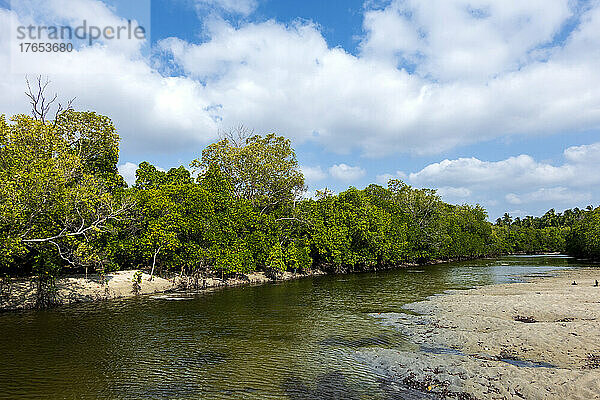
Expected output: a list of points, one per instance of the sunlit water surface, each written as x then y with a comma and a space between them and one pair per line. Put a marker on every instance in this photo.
292, 340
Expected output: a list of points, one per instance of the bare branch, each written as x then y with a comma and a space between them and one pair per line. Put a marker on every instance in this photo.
98, 224
237, 136
60, 109
40, 104
60, 253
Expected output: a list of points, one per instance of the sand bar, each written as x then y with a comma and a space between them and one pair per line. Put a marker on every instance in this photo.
78, 288
534, 340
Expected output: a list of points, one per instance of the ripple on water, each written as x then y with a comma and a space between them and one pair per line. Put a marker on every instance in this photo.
297, 339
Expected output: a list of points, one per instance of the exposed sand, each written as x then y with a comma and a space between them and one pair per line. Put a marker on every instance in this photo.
461, 338
78, 288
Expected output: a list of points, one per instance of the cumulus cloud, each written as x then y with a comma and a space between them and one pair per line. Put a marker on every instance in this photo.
478, 74
341, 172
152, 112
522, 171
346, 173
579, 170
462, 39
555, 195
429, 77
127, 171
383, 179
454, 192
584, 154
313, 174
71, 13
517, 180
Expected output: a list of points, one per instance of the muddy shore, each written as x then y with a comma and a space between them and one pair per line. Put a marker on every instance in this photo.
534, 340
21, 294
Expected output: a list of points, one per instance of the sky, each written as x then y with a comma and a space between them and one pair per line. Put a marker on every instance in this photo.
495, 103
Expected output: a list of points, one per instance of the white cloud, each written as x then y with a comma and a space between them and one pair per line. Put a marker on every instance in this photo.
346, 173
513, 198
313, 174
515, 171
384, 178
522, 172
584, 154
555, 195
454, 192
151, 112
73, 13
474, 79
517, 180
127, 171
462, 39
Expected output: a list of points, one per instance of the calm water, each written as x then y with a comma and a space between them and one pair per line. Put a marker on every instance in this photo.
293, 340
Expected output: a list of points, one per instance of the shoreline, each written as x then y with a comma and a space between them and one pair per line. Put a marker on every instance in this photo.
78, 288
72, 289
536, 339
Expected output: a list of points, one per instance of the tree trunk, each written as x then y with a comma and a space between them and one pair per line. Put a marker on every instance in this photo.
154, 263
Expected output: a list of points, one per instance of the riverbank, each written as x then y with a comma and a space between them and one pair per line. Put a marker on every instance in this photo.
21, 294
534, 340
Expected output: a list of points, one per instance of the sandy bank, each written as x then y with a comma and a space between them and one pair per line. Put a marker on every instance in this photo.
468, 342
77, 288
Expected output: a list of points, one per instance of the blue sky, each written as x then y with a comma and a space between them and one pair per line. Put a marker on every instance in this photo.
341, 20
489, 102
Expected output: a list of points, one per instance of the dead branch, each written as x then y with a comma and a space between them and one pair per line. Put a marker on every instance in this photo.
237, 136
98, 225
40, 104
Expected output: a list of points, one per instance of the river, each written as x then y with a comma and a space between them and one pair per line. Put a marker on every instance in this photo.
290, 340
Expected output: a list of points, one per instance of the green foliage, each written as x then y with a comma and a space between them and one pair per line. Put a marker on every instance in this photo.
263, 170
378, 227
275, 262
297, 258
57, 186
551, 232
136, 282
63, 204
584, 239
93, 138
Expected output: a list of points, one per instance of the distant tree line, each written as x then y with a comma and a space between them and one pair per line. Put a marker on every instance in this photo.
64, 207
552, 232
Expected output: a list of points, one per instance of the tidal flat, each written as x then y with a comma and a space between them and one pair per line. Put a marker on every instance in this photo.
538, 339
304, 339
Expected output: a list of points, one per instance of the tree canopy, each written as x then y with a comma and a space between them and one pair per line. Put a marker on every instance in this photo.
263, 170
63, 206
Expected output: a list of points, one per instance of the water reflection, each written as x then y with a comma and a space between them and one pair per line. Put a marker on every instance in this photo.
291, 340
331, 386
